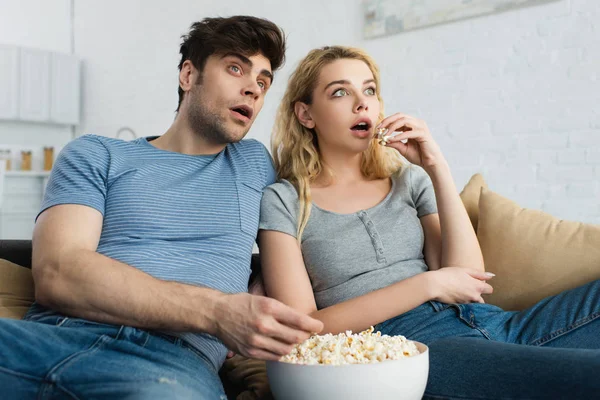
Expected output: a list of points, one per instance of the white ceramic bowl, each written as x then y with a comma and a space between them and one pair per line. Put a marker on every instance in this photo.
403, 379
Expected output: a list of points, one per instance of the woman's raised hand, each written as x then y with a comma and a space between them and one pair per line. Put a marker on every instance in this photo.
411, 137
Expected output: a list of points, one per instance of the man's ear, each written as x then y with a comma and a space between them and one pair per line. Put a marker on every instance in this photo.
187, 76
303, 114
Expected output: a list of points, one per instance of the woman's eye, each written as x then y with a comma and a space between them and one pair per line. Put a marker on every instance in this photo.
340, 93
370, 92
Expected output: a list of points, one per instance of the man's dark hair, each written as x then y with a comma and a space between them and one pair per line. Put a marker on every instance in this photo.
244, 35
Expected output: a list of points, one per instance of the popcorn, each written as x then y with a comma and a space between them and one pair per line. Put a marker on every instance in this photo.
348, 348
382, 137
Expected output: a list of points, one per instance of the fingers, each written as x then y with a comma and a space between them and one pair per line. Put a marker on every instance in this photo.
481, 275
288, 335
393, 118
487, 289
401, 132
295, 319
261, 354
402, 123
277, 330
404, 136
400, 128
271, 328
261, 342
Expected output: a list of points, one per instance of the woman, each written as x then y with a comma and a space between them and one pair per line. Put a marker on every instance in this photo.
355, 237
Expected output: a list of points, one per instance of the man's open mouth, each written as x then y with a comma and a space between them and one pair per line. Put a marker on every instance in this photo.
243, 110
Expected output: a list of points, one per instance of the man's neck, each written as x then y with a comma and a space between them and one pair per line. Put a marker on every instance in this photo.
180, 138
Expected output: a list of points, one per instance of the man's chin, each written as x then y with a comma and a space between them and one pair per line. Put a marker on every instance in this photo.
224, 135
234, 136
236, 132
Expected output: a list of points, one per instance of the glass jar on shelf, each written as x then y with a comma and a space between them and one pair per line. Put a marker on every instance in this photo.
6, 158
48, 158
26, 160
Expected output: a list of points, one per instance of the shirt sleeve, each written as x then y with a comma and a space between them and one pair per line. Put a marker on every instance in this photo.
270, 173
422, 191
278, 210
79, 175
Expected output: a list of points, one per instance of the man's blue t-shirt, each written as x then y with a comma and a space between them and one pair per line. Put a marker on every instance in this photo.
177, 217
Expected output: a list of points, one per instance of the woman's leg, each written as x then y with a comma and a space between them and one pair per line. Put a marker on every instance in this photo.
429, 322
465, 365
467, 368
570, 319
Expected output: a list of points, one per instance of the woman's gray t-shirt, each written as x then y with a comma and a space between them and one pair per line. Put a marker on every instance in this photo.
348, 255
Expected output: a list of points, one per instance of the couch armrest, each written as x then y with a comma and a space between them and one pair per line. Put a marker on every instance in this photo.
16, 251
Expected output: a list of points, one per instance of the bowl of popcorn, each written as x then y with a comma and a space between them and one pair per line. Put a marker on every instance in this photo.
349, 366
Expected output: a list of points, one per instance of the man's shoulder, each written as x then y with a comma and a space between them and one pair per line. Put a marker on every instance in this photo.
250, 147
91, 141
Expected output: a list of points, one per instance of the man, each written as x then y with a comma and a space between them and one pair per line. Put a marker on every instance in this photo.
141, 253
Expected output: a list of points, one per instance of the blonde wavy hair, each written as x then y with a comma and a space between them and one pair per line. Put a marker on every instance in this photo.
295, 148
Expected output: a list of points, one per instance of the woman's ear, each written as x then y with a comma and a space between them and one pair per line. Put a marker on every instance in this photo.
303, 114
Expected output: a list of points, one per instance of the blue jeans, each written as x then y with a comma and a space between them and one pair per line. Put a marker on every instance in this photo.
69, 358
479, 351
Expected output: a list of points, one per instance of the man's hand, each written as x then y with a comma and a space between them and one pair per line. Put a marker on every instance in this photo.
261, 327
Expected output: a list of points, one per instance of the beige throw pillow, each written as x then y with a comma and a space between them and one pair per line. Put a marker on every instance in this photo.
470, 197
533, 254
16, 290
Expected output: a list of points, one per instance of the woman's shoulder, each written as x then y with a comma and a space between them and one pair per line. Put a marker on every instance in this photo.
409, 172
410, 179
282, 189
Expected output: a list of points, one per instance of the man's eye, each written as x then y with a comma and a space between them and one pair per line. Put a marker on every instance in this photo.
235, 69
370, 91
262, 85
340, 93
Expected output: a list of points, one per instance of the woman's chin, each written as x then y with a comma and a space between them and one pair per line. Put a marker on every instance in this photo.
360, 147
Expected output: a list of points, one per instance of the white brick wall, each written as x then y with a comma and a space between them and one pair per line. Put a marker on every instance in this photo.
514, 95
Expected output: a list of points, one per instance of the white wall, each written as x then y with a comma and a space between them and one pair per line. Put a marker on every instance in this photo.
513, 95
45, 25
38, 24
130, 51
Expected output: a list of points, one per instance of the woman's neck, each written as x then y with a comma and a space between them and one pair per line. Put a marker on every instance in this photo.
340, 169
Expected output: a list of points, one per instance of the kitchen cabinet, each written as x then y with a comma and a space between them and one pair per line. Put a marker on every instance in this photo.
39, 86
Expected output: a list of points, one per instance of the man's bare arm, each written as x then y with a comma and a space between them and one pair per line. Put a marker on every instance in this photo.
72, 278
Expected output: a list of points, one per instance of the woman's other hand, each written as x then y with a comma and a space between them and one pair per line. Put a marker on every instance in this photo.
456, 285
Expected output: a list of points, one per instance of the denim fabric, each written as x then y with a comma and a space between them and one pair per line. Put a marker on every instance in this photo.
477, 349
65, 358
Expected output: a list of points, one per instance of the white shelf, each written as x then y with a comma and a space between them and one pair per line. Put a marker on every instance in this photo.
32, 174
